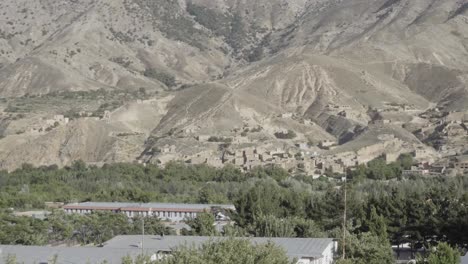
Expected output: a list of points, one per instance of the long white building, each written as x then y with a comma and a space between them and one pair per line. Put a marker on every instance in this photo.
166, 211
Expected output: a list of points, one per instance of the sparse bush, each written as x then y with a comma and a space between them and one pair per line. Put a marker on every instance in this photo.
257, 129
220, 139
163, 77
124, 62
289, 135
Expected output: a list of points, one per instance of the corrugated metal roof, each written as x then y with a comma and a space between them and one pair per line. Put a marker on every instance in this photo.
294, 247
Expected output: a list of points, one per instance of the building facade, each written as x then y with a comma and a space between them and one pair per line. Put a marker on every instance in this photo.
164, 211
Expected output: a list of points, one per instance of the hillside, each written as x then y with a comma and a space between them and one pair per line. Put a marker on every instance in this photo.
165, 72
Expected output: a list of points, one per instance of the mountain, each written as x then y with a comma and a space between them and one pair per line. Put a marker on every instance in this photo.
136, 75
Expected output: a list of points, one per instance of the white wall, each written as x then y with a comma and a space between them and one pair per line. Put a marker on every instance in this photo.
327, 257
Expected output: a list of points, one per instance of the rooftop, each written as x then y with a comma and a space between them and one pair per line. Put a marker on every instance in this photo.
294, 247
117, 248
464, 260
35, 254
154, 206
462, 158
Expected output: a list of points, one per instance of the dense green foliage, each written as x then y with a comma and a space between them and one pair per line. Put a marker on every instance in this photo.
163, 77
229, 26
367, 248
29, 188
269, 201
442, 254
378, 169
59, 227
165, 16
202, 225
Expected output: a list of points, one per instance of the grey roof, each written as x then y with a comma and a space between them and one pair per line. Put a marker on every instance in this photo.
117, 248
464, 260
69, 255
294, 247
153, 205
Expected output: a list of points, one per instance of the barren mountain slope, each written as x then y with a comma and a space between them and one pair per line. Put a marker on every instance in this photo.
127, 44
277, 65
422, 44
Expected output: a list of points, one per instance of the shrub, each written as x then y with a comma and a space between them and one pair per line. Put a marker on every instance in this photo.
289, 135
163, 77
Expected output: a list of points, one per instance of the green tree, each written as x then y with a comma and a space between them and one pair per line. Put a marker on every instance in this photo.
367, 248
271, 226
377, 225
443, 254
232, 251
153, 226
203, 225
207, 195
406, 161
60, 226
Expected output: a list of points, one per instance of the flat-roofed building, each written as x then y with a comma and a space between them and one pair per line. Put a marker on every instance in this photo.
82, 255
166, 211
464, 260
461, 163
304, 250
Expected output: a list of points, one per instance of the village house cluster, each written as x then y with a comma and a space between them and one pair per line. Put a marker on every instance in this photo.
302, 158
47, 124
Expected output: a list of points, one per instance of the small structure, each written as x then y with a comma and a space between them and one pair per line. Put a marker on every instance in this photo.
454, 130
456, 117
303, 146
168, 149
416, 171
33, 214
327, 144
203, 138
460, 163
240, 140
287, 115
381, 122
107, 115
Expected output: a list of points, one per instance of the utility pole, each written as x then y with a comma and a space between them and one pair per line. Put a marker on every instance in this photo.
142, 215
143, 235
344, 216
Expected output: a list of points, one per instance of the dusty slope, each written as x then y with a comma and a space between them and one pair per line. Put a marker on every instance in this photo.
111, 43
239, 63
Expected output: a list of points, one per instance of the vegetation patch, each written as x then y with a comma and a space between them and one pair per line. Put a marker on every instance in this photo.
166, 78
288, 135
